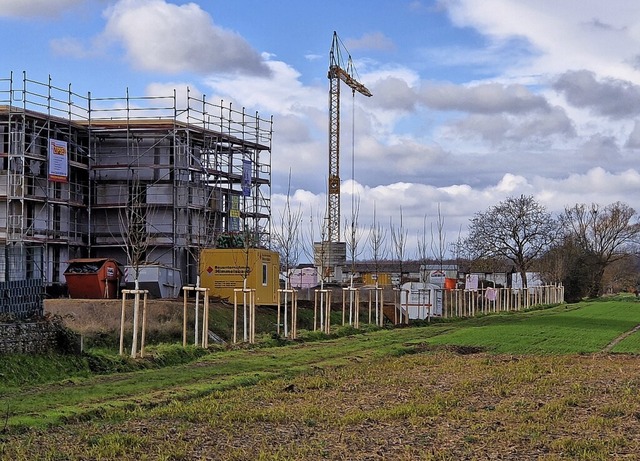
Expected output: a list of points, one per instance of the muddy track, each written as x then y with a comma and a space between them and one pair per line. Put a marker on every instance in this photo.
609, 347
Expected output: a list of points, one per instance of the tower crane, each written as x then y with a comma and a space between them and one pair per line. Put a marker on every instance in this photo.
330, 254
337, 73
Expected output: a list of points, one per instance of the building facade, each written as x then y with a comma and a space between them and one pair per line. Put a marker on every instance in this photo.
140, 180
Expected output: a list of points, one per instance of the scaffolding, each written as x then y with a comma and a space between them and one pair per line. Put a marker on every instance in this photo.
43, 219
181, 169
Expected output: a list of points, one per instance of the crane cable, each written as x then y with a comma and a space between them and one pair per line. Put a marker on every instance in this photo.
353, 161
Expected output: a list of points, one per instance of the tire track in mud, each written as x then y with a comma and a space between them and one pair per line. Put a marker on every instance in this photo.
609, 347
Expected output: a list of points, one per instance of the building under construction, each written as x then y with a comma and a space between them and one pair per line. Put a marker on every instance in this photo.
138, 179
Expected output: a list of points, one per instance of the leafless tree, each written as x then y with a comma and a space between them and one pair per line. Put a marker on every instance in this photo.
622, 275
604, 234
460, 252
135, 222
555, 264
378, 243
423, 248
518, 229
134, 226
317, 250
439, 240
399, 243
286, 236
352, 234
201, 232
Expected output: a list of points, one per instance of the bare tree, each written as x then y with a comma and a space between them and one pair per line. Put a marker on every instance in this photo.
555, 263
399, 243
423, 248
438, 243
317, 251
352, 238
378, 243
604, 234
134, 227
439, 240
518, 229
202, 223
460, 251
286, 236
622, 275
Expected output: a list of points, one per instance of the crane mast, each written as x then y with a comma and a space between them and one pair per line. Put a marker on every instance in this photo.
336, 74
331, 253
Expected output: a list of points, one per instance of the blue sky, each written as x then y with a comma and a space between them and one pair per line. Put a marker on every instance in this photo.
473, 100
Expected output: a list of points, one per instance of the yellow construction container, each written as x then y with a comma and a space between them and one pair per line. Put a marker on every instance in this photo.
223, 271
369, 278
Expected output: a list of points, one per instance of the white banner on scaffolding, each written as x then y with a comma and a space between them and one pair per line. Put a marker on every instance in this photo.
58, 161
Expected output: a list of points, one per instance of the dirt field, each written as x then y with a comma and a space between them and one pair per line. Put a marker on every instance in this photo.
87, 316
427, 406
98, 320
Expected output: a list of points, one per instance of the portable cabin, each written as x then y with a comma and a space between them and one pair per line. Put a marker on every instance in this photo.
303, 277
421, 300
383, 278
223, 271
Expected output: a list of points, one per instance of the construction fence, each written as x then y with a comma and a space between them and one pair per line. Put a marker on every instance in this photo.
469, 303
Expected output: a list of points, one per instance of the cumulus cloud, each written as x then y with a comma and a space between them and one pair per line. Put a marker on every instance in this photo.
602, 149
561, 35
507, 129
371, 41
36, 8
489, 98
609, 97
459, 202
594, 186
164, 37
393, 93
633, 141
283, 93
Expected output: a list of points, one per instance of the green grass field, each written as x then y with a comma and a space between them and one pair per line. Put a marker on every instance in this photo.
530, 385
581, 328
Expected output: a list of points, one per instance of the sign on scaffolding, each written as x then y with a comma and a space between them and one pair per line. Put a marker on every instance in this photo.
58, 161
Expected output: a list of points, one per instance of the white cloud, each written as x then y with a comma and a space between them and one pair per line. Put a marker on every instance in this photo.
571, 34
633, 141
283, 93
164, 37
371, 41
458, 203
393, 93
488, 98
36, 8
72, 47
614, 98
